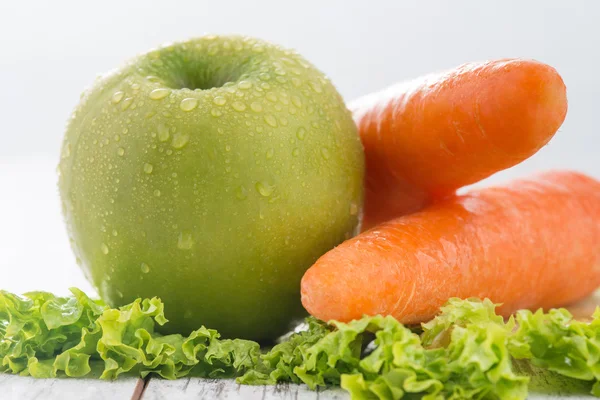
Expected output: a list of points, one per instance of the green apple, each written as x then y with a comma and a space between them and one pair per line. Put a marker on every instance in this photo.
211, 173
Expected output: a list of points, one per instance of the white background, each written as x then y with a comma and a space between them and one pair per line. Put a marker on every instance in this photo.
50, 50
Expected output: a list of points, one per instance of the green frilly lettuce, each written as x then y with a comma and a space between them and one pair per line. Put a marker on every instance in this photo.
467, 352
473, 363
558, 343
47, 336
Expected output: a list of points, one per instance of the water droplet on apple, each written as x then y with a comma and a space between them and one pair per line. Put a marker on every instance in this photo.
301, 133
316, 87
145, 268
104, 248
353, 209
303, 63
264, 188
288, 61
117, 97
67, 152
185, 241
126, 103
158, 94
264, 76
296, 82
188, 104
325, 153
238, 106
135, 87
256, 107
269, 119
241, 192
296, 152
119, 293
220, 100
271, 97
180, 140
216, 113
148, 168
152, 78
121, 151
157, 193
163, 133
115, 233
296, 101
270, 154
244, 85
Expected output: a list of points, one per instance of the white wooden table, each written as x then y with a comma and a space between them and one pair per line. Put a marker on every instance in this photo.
26, 388
35, 255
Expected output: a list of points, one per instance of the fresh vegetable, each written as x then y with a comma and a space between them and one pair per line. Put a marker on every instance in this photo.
426, 138
474, 363
465, 352
556, 342
533, 243
46, 336
211, 173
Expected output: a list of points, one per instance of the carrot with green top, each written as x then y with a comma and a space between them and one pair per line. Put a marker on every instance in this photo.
426, 138
533, 243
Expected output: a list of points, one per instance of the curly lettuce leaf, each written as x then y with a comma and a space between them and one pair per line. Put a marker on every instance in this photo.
474, 364
558, 343
458, 312
277, 365
44, 336
41, 325
397, 365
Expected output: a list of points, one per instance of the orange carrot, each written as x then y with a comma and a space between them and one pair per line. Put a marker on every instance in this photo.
533, 243
426, 138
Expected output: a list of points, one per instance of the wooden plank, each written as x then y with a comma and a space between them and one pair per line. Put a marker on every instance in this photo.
14, 387
544, 386
227, 389
26, 388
